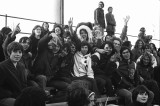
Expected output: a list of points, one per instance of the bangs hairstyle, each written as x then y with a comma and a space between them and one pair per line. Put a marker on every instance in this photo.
85, 43
138, 90
85, 32
125, 48
110, 44
14, 46
24, 40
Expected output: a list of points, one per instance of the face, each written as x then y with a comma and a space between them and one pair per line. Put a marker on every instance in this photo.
100, 5
147, 49
15, 56
37, 32
110, 10
151, 46
67, 39
45, 26
126, 54
146, 60
83, 35
84, 50
57, 31
140, 44
73, 49
64, 52
131, 73
25, 45
116, 44
142, 97
108, 49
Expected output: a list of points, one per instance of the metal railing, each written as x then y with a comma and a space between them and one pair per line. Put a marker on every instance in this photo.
7, 16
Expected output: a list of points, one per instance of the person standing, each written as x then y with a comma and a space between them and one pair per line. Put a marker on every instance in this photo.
111, 23
99, 16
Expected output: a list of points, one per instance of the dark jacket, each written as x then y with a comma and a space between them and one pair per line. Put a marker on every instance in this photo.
12, 80
33, 46
99, 66
111, 23
65, 66
146, 72
99, 16
46, 61
122, 75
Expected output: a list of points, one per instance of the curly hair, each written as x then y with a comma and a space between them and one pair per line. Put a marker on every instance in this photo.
78, 94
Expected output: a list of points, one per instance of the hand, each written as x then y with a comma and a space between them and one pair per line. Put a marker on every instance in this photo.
113, 58
126, 19
16, 30
70, 22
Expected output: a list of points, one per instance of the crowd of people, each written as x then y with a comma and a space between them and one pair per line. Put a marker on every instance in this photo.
101, 64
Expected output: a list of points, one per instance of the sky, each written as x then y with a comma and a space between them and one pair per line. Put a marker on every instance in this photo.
143, 13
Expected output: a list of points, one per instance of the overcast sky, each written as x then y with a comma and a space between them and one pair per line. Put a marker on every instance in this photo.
143, 13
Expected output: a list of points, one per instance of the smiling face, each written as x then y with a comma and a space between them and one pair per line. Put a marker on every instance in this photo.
126, 54
146, 60
84, 49
108, 49
25, 44
57, 31
83, 34
142, 97
140, 44
15, 56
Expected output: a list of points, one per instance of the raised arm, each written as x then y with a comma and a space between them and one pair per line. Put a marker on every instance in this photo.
124, 30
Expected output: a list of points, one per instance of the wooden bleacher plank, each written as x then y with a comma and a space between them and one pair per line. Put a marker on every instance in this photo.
102, 99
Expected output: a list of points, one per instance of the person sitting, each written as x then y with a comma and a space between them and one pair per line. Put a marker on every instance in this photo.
140, 96
12, 75
82, 69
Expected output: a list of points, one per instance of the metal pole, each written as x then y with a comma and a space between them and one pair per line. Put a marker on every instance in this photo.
6, 20
62, 12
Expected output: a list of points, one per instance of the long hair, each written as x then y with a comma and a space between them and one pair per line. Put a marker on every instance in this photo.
146, 54
35, 27
62, 31
136, 44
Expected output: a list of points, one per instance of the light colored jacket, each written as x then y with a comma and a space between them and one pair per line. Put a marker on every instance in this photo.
82, 65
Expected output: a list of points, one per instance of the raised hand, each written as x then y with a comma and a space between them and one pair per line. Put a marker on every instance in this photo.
126, 19
70, 22
16, 30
